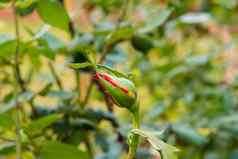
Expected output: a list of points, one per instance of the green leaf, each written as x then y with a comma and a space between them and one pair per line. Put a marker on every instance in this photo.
86, 51
178, 71
84, 124
142, 43
6, 121
97, 115
167, 151
189, 135
24, 3
7, 148
7, 45
193, 18
156, 21
234, 154
23, 97
79, 65
45, 51
4, 1
42, 31
24, 9
54, 149
5, 37
2, 5
53, 13
232, 119
198, 60
37, 126
157, 110
122, 33
48, 44
60, 94
101, 140
52, 41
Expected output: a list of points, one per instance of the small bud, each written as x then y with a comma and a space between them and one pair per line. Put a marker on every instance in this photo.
120, 90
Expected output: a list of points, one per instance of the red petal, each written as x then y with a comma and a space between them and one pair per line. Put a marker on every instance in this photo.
110, 80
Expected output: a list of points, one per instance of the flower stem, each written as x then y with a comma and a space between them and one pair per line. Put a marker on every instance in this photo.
134, 141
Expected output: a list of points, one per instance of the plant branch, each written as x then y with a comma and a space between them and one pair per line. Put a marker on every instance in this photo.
89, 146
71, 28
56, 77
72, 32
109, 103
17, 50
19, 82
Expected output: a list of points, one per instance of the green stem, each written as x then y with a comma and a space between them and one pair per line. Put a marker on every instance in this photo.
89, 146
19, 83
56, 77
134, 141
18, 134
77, 88
72, 32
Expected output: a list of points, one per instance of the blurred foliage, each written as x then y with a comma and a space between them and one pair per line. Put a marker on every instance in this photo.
181, 54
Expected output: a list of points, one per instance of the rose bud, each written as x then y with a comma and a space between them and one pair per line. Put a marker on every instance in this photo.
119, 89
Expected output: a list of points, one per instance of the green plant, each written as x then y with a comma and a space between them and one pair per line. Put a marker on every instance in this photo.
65, 66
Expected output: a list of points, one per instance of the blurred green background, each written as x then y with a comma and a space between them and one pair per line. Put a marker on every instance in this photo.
182, 56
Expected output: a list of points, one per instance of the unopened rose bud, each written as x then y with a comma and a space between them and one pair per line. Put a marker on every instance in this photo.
120, 90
